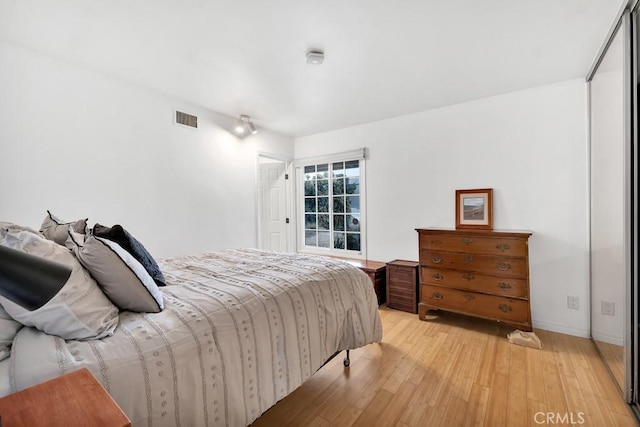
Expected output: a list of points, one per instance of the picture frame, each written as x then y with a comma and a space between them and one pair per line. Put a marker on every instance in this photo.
474, 209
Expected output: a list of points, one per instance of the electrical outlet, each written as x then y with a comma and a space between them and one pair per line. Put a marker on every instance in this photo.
573, 302
608, 308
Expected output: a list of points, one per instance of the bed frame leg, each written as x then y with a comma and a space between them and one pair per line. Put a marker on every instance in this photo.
346, 361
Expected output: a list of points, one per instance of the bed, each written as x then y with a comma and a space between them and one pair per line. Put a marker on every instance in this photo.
240, 330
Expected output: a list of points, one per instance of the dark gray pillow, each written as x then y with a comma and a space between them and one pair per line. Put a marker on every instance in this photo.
120, 276
53, 228
129, 243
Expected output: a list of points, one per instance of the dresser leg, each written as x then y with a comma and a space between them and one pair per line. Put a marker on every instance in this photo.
422, 311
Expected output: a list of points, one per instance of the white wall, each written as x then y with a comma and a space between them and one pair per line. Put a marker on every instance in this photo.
529, 146
83, 144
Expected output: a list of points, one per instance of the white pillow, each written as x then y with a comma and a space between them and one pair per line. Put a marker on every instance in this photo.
8, 330
125, 281
79, 310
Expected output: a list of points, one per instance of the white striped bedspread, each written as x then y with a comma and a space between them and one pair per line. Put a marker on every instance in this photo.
241, 329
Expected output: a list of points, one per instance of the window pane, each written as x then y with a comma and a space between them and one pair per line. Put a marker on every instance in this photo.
338, 222
310, 238
310, 222
323, 204
323, 171
323, 187
353, 204
310, 173
353, 241
323, 222
338, 204
309, 188
324, 238
353, 222
338, 240
352, 168
353, 185
338, 186
338, 169
310, 204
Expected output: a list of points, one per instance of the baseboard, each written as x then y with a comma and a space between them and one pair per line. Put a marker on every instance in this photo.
562, 329
609, 339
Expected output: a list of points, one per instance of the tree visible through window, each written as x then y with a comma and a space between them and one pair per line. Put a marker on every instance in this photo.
332, 205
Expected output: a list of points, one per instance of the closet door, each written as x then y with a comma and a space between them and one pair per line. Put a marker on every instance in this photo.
608, 204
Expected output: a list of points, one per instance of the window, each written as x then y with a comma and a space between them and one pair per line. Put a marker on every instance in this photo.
331, 207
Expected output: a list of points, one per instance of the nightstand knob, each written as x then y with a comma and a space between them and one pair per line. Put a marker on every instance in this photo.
504, 286
436, 259
437, 276
467, 258
469, 276
437, 295
467, 241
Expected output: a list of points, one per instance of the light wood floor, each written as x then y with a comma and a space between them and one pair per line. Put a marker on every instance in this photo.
613, 355
457, 370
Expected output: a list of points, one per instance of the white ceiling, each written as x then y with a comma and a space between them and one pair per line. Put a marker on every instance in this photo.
383, 58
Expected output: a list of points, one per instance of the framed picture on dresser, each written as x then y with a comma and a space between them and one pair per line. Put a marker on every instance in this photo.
474, 209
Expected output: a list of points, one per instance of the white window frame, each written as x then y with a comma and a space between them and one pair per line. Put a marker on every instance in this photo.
299, 165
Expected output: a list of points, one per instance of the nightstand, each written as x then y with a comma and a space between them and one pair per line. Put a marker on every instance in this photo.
402, 285
74, 399
376, 272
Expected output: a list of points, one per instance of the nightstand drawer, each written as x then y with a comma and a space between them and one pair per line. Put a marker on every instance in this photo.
399, 274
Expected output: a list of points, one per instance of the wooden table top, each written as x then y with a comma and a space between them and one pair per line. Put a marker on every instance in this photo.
74, 399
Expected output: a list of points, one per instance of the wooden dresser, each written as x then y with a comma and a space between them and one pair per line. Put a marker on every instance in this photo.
480, 273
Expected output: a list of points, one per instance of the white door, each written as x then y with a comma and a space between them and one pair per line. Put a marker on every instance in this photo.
273, 209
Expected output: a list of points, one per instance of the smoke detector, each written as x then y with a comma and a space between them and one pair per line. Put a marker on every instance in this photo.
315, 57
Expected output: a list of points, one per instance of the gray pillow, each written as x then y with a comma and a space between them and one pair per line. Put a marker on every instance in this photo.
122, 278
79, 310
53, 228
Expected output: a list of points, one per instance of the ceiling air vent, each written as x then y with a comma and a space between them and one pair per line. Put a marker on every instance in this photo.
186, 119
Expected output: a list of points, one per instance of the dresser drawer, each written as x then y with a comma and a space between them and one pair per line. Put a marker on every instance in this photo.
475, 244
503, 286
488, 264
488, 306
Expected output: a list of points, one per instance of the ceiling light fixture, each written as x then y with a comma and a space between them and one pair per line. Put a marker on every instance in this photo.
244, 124
315, 57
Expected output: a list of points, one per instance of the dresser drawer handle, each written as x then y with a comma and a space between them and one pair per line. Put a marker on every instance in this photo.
437, 295
467, 241
504, 266
469, 276
437, 276
436, 259
469, 297
505, 308
504, 285
467, 258
503, 247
